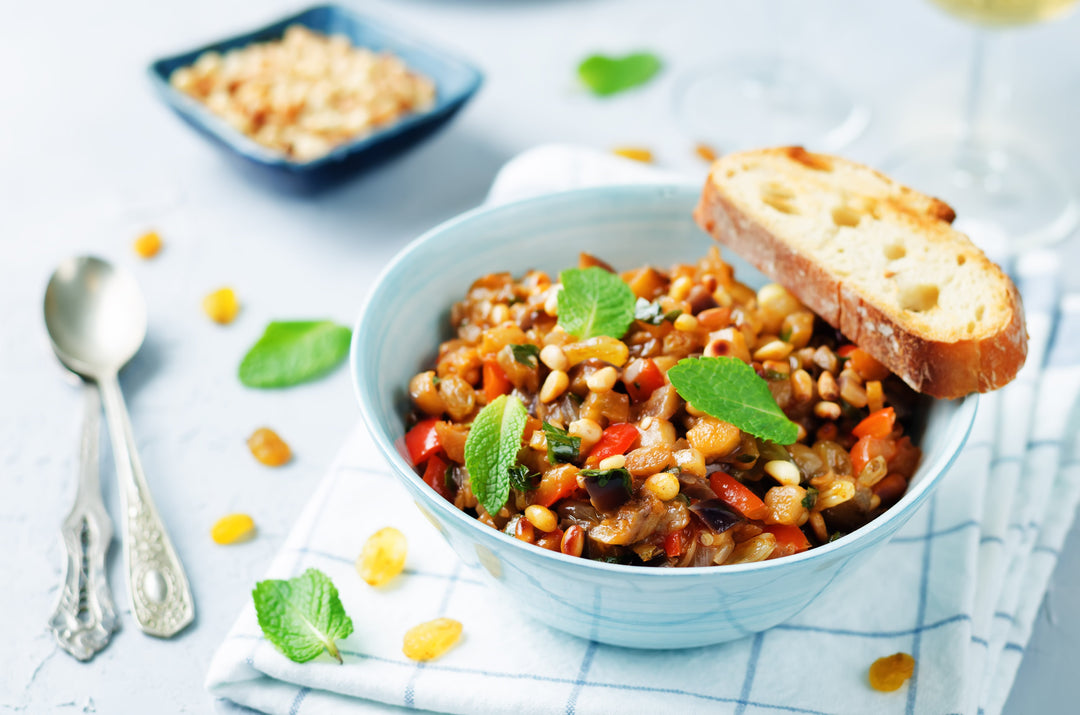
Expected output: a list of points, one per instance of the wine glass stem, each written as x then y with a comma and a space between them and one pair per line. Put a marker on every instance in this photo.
976, 92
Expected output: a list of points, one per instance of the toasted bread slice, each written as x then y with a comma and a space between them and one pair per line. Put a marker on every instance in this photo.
877, 260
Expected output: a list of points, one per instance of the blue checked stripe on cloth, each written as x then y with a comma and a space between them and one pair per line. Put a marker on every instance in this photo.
925, 593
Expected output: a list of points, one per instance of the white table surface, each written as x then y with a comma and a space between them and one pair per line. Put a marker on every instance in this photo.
89, 158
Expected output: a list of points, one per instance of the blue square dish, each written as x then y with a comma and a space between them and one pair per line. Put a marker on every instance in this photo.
455, 81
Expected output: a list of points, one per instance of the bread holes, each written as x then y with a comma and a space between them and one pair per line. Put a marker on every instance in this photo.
919, 298
895, 251
979, 311
779, 197
961, 260
971, 327
846, 216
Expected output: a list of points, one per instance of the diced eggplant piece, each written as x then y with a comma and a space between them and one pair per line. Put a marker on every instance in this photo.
716, 515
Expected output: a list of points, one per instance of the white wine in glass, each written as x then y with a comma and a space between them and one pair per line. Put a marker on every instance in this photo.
1007, 199
1005, 12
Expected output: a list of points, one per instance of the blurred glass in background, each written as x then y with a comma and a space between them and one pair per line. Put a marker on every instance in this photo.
1008, 198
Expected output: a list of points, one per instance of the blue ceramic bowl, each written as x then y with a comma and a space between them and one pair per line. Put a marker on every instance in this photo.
455, 80
398, 333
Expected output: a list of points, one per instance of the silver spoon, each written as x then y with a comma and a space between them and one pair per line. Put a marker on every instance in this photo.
85, 616
96, 318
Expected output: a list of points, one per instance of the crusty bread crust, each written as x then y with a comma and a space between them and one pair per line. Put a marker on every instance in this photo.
944, 366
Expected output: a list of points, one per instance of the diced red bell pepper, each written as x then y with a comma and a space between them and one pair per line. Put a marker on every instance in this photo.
675, 543
647, 379
616, 439
879, 424
789, 540
730, 491
845, 350
557, 483
422, 441
435, 476
495, 382
869, 447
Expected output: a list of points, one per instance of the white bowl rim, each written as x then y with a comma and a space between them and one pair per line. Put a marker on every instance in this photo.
962, 421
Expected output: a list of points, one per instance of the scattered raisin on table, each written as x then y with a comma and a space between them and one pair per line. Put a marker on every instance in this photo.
268, 448
221, 306
889, 673
430, 640
233, 529
148, 245
383, 556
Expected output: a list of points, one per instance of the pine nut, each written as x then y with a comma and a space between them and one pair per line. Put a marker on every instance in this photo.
573, 541
556, 383
783, 471
827, 410
802, 386
553, 357
773, 350
603, 380
551, 305
615, 461
827, 387
541, 517
664, 486
686, 323
680, 288
589, 432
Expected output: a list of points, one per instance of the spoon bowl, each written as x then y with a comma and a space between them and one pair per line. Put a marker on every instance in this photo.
95, 316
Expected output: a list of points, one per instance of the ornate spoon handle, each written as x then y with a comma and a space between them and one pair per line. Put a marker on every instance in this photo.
160, 594
85, 616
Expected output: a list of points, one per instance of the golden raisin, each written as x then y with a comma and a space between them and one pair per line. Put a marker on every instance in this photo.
148, 245
221, 305
233, 529
634, 152
428, 641
383, 556
706, 152
889, 673
268, 448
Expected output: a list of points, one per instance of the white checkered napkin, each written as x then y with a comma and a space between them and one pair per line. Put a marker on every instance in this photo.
1046, 506
917, 595
1037, 278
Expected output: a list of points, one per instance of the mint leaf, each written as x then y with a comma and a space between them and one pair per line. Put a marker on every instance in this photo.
594, 302
526, 354
521, 480
491, 449
606, 75
561, 447
603, 476
730, 390
302, 616
289, 353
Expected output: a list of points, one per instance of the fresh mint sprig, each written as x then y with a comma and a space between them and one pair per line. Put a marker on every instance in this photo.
606, 75
594, 302
291, 352
729, 390
491, 450
302, 616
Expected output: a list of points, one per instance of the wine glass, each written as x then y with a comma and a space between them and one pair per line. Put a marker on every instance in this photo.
1007, 198
767, 99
